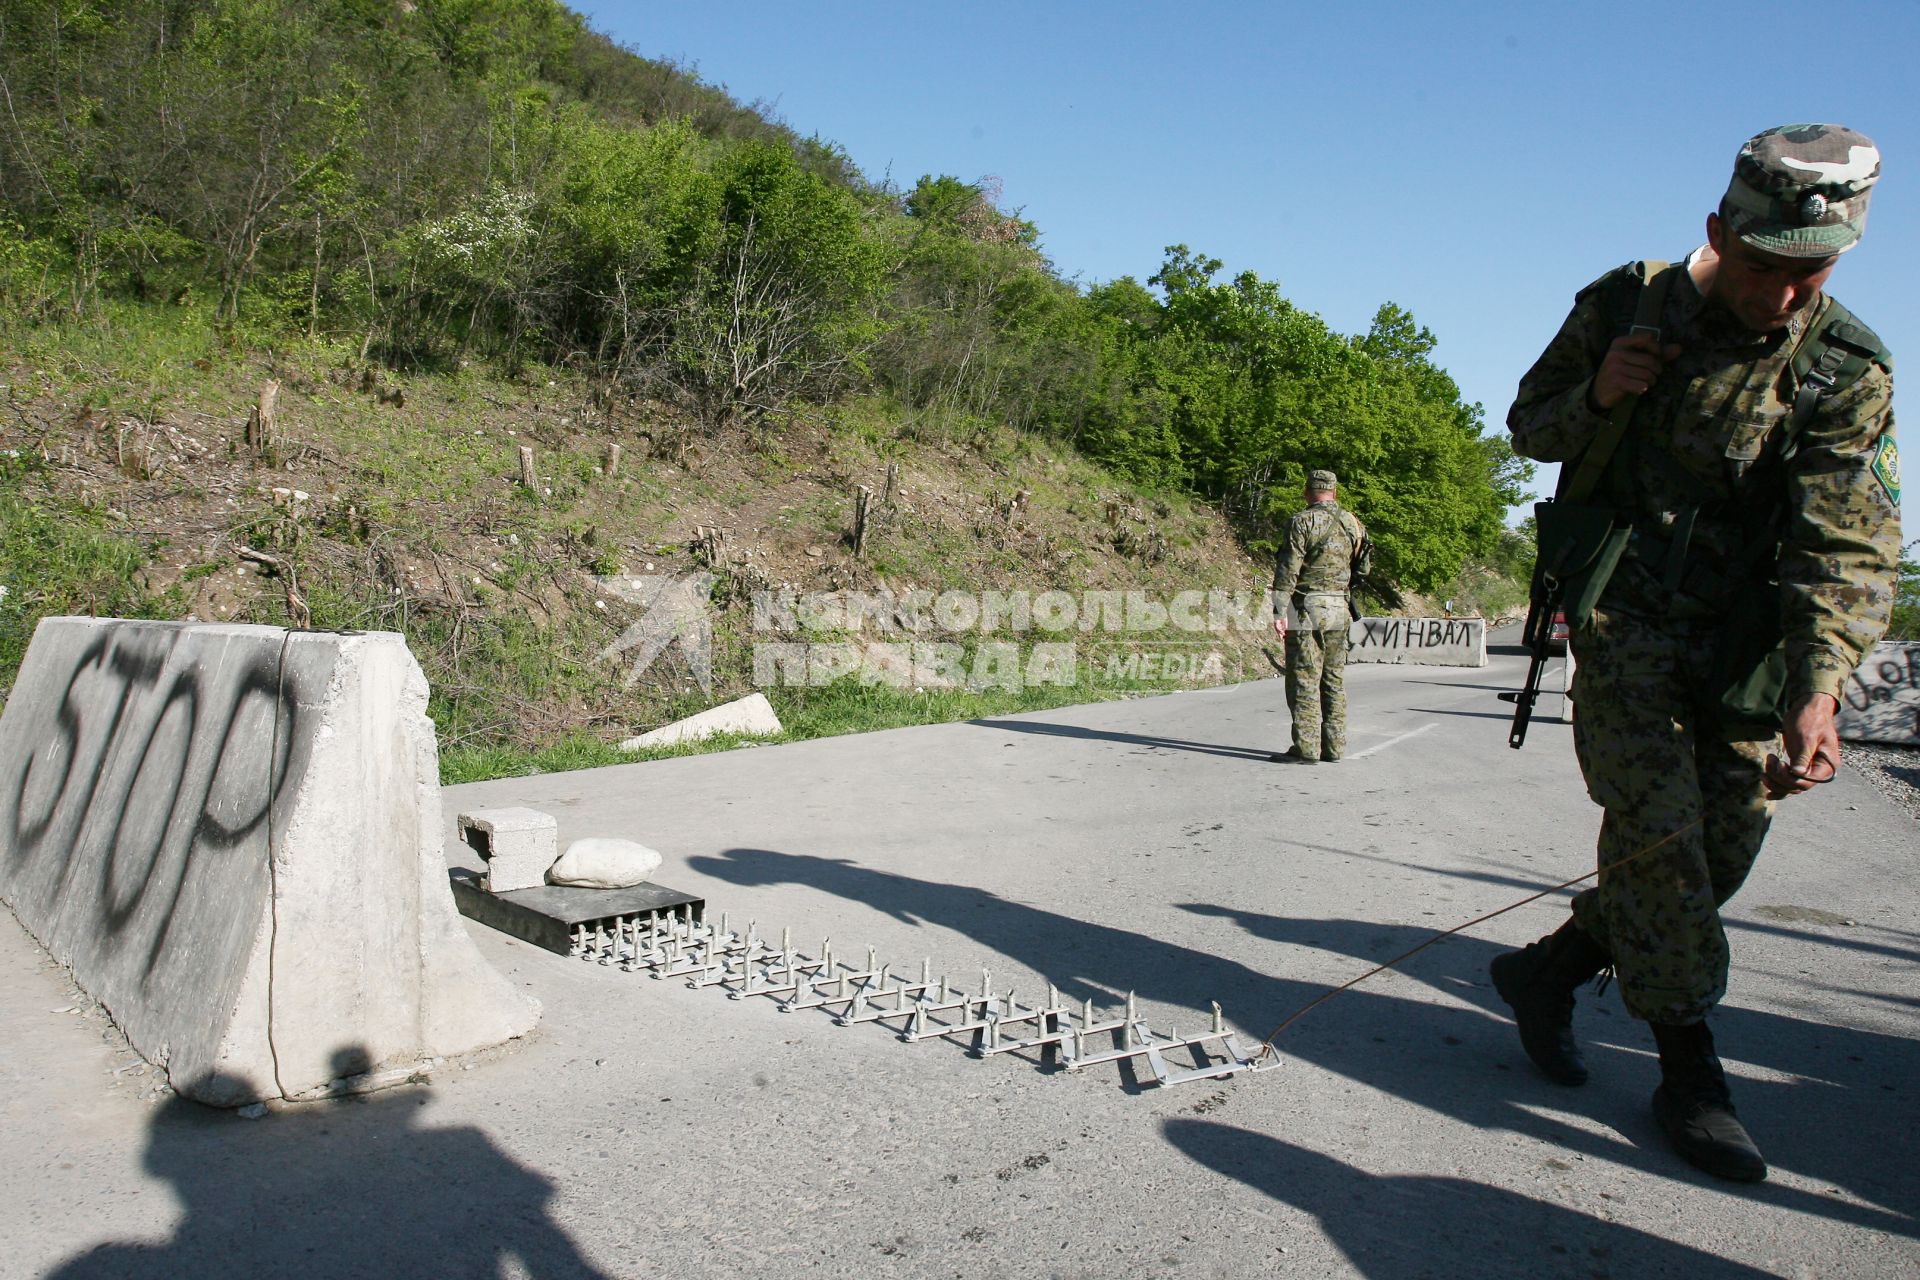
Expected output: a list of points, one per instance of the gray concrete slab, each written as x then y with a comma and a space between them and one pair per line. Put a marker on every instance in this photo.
231, 836
1146, 845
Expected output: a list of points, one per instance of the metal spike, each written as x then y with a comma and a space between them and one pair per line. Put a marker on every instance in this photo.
1086, 1016
1219, 1020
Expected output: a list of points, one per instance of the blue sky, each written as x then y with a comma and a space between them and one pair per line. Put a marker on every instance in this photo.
1474, 162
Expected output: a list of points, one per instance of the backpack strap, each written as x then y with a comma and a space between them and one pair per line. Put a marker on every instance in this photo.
1656, 278
1829, 360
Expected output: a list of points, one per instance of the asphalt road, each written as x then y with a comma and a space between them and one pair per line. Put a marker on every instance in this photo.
1144, 845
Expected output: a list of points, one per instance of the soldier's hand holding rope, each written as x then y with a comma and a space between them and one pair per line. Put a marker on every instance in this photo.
1812, 746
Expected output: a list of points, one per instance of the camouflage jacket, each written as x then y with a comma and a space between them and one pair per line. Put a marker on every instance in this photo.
1719, 507
1325, 547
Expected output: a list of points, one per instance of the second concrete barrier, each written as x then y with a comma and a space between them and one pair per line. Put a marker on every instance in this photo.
1441, 642
1881, 700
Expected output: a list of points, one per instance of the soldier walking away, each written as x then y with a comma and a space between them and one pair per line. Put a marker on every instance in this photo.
1725, 534
1325, 550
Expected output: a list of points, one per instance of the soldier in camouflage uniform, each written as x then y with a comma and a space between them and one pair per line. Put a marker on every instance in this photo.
1736, 503
1326, 546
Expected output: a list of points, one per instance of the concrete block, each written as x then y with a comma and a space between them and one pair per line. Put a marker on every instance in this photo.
518, 845
1437, 642
1881, 700
752, 714
231, 836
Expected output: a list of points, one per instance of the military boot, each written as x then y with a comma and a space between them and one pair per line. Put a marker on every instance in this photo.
1538, 981
1696, 1111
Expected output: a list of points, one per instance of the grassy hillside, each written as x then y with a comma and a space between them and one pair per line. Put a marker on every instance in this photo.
395, 502
447, 231
445, 185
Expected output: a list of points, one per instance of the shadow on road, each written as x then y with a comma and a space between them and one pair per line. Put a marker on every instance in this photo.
1130, 739
1463, 684
1483, 715
330, 1191
1840, 1078
1461, 1063
1397, 1226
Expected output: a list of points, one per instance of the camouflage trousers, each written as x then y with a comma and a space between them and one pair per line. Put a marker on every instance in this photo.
1317, 691
1658, 767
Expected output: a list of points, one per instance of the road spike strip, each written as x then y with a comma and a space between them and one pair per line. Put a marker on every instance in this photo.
675, 944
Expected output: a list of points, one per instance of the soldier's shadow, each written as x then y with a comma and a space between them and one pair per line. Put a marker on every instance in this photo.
1391, 1226
1822, 1081
1049, 729
350, 1189
1462, 1063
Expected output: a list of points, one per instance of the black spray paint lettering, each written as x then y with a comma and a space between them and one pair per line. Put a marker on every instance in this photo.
1417, 633
1890, 674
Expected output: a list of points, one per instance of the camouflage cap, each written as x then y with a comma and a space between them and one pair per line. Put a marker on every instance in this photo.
1322, 480
1801, 190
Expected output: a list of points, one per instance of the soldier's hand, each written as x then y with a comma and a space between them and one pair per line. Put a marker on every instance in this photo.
1280, 625
1631, 366
1813, 749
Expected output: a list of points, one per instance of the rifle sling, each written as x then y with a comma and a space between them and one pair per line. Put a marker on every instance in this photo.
1647, 312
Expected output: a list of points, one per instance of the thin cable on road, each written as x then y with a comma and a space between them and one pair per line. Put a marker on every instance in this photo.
1394, 742
1266, 1046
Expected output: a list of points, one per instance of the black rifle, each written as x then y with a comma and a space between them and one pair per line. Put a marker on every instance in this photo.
1575, 540
1537, 637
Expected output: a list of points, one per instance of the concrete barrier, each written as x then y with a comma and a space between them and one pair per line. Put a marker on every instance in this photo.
1881, 701
231, 836
752, 715
1439, 642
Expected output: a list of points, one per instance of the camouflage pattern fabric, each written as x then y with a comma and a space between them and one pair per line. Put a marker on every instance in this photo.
1655, 765
1721, 510
1707, 438
1801, 190
1325, 547
1317, 691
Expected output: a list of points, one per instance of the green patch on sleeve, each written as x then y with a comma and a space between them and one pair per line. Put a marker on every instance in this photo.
1886, 467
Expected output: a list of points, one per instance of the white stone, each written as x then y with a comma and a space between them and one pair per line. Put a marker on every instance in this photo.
231, 837
752, 714
603, 862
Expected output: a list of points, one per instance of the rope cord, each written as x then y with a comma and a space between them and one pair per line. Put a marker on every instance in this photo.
1266, 1046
